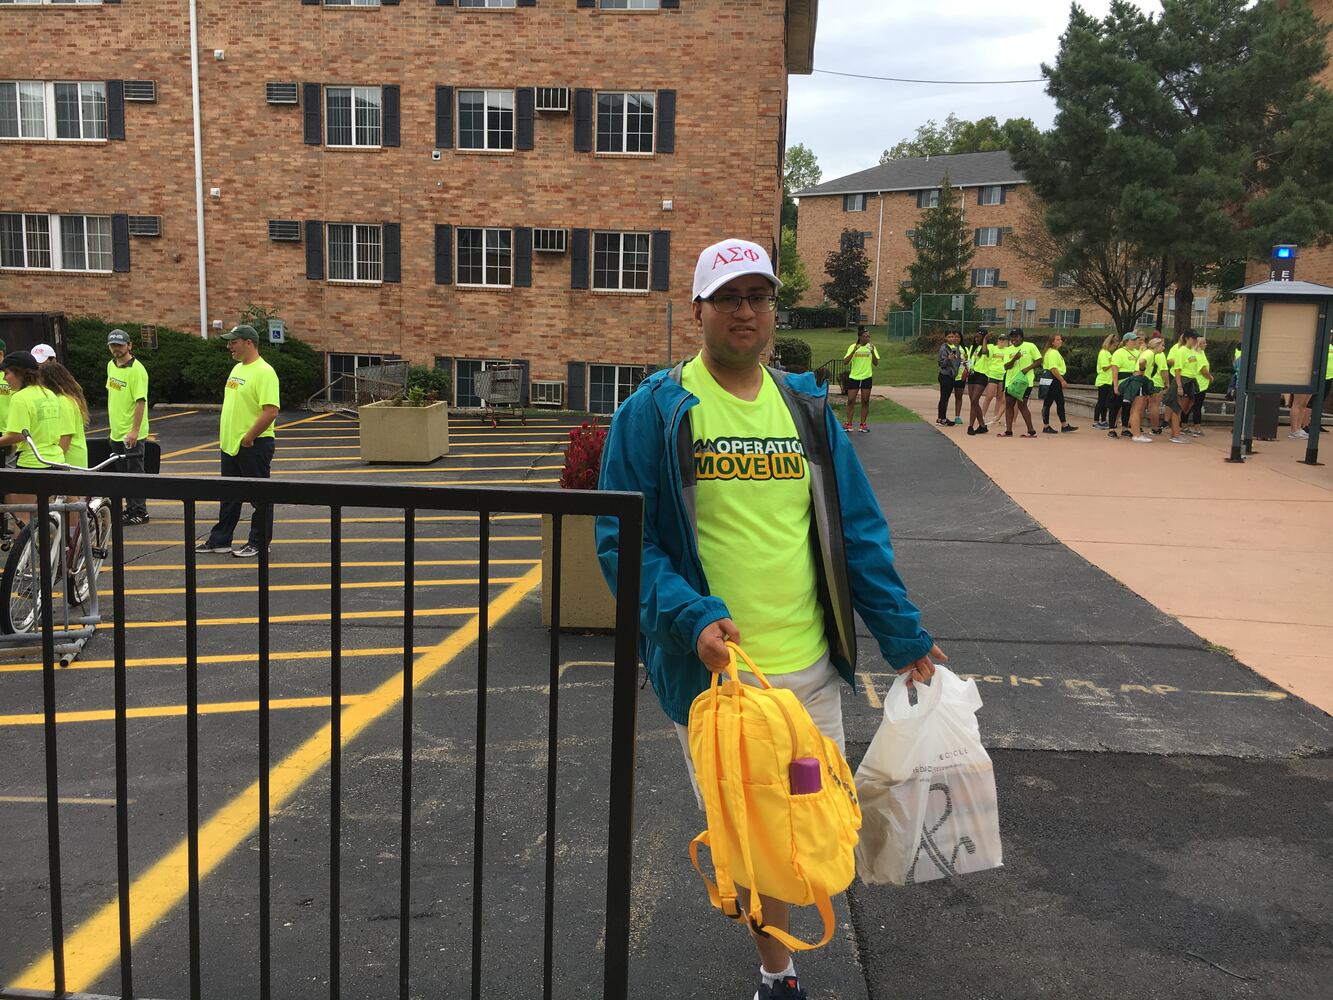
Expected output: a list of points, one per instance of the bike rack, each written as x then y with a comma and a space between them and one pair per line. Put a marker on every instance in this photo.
73, 631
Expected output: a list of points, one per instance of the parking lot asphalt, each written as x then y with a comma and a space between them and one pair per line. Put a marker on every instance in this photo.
1165, 810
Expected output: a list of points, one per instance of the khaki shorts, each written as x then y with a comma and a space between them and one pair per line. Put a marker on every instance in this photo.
819, 689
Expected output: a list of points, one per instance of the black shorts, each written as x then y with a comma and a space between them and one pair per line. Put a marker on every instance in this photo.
1188, 388
978, 378
859, 383
996, 381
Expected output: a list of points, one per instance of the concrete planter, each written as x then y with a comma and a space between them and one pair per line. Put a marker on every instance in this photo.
392, 433
586, 602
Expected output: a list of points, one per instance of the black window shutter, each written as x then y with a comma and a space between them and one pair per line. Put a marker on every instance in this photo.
670, 4
522, 257
388, 3
389, 135
583, 121
981, 194
1052, 316
578, 259
110, 1
120, 242
525, 101
444, 247
666, 121
587, 3
314, 249
660, 280
446, 365
444, 117
1003, 192
393, 255
974, 277
524, 371
310, 3
527, 3
574, 381
1076, 316
310, 97
115, 109
999, 235
444, 3
976, 238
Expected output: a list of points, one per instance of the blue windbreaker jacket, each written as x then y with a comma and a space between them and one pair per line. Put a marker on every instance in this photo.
649, 450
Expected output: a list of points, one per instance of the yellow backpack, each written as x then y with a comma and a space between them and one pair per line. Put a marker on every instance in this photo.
779, 797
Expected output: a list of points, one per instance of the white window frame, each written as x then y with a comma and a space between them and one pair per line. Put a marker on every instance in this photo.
351, 3
629, 4
57, 244
621, 271
1064, 318
367, 267
617, 399
485, 4
353, 92
854, 203
988, 236
1231, 319
1064, 279
48, 98
648, 96
933, 201
488, 232
991, 194
500, 96
984, 273
57, 3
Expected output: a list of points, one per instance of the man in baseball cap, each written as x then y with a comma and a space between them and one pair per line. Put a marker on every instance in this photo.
127, 415
43, 353
768, 469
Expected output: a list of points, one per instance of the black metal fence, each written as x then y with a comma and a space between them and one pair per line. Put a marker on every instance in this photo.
626, 507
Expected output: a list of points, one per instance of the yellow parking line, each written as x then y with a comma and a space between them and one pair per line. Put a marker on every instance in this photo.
289, 619
174, 711
379, 469
172, 543
251, 564
420, 518
214, 444
290, 656
153, 418
477, 482
290, 587
399, 470
95, 945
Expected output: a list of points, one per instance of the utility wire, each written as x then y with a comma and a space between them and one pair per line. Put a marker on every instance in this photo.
899, 79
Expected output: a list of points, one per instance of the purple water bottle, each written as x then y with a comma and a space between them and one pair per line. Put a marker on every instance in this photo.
804, 775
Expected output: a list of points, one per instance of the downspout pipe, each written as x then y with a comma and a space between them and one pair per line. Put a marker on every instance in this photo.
879, 247
198, 169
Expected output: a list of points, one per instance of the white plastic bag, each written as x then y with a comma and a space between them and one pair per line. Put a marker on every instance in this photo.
927, 788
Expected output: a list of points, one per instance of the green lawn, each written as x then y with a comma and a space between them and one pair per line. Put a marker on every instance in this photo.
896, 366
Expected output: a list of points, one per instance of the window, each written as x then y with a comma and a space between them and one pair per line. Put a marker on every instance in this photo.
853, 203
39, 2
985, 277
354, 252
31, 109
1064, 317
989, 315
625, 121
485, 3
988, 236
486, 119
55, 242
351, 3
992, 194
343, 387
1064, 279
629, 4
353, 115
620, 262
610, 385
1231, 320
928, 199
485, 257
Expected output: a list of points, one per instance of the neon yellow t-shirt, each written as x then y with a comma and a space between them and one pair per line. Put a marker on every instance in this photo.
4, 398
1025, 352
1125, 361
995, 365
250, 388
962, 364
1154, 366
1103, 367
1328, 369
1053, 361
1203, 380
754, 510
860, 355
125, 387
37, 410
71, 423
1189, 362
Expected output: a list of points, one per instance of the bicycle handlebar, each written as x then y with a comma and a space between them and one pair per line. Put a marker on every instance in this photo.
61, 465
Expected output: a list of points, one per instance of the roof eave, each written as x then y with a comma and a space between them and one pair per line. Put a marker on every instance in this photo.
801, 18
815, 193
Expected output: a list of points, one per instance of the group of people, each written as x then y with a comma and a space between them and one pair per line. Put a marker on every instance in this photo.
39, 395
1137, 382
999, 374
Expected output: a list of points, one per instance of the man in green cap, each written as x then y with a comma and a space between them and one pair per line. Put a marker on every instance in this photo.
127, 414
245, 434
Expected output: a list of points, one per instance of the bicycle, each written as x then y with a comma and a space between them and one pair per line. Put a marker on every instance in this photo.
85, 541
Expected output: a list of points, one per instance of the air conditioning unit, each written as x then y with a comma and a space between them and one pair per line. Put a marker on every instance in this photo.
1010, 305
546, 393
553, 100
549, 240
1030, 305
140, 90
284, 230
145, 225
281, 93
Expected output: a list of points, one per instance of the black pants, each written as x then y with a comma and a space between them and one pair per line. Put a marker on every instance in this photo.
947, 383
1196, 414
1055, 394
1115, 407
1102, 411
248, 463
133, 464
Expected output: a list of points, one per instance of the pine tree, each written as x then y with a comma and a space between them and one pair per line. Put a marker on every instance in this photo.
943, 249
848, 269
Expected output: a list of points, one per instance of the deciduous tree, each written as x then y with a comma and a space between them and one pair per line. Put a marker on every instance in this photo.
848, 269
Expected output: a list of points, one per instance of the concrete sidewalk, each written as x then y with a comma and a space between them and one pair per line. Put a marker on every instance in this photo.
1239, 554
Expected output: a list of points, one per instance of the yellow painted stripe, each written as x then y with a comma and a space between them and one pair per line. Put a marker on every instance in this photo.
290, 587
95, 945
288, 619
290, 656
420, 518
153, 418
432, 539
174, 711
396, 471
214, 444
386, 469
235, 564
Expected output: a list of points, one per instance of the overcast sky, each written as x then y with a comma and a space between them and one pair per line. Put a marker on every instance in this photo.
848, 123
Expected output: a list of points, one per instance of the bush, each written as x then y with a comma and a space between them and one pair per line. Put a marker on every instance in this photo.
926, 343
795, 353
583, 457
816, 317
186, 368
431, 381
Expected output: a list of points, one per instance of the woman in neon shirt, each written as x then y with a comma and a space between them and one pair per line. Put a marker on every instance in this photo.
1053, 362
1101, 413
978, 379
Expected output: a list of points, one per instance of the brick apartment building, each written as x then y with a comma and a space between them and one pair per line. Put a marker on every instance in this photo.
446, 181
883, 204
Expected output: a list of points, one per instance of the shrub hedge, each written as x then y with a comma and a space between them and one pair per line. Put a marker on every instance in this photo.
795, 353
817, 317
186, 368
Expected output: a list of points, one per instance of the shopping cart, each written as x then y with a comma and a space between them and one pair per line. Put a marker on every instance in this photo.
499, 385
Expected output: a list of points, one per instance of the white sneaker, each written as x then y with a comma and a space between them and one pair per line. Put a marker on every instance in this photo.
1179, 440
1141, 439
1298, 435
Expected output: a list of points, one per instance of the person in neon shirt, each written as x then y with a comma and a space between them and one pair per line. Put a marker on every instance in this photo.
1053, 364
998, 349
949, 362
978, 379
1101, 413
1021, 362
864, 357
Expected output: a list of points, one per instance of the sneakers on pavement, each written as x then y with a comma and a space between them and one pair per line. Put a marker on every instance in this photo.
958, 420
1126, 433
1141, 439
865, 429
1112, 434
205, 547
1179, 440
246, 551
1048, 429
1067, 428
847, 428
134, 519
786, 988
1298, 435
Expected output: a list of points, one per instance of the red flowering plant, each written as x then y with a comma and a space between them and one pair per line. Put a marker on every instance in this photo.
583, 457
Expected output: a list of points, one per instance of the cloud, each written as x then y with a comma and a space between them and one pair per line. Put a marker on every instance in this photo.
849, 122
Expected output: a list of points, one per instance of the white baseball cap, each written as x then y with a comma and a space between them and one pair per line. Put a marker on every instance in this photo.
43, 352
729, 259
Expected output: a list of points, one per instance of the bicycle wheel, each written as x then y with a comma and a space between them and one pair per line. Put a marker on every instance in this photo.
98, 524
21, 582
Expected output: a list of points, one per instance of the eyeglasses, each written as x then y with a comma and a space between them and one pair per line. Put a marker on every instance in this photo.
726, 302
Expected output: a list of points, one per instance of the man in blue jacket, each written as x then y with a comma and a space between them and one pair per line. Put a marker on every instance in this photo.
759, 527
